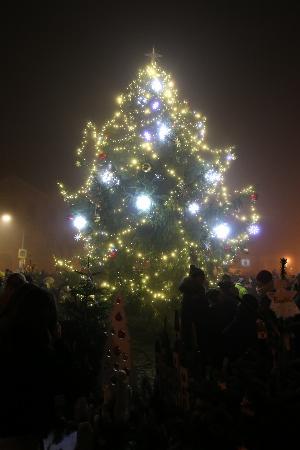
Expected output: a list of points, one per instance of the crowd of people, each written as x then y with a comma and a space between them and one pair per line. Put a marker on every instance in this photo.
224, 322
38, 376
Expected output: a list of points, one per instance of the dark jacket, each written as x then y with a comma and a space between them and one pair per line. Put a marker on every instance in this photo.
241, 334
27, 373
194, 314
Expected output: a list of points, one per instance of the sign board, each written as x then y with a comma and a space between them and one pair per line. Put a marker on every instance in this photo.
22, 253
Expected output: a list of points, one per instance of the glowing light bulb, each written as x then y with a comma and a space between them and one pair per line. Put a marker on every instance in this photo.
147, 136
230, 157
155, 105
221, 231
79, 222
141, 100
254, 229
156, 85
213, 177
194, 208
163, 131
6, 218
143, 202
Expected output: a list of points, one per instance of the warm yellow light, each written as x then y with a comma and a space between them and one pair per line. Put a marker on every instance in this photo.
6, 218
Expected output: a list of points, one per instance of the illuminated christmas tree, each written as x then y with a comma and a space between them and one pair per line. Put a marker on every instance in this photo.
154, 199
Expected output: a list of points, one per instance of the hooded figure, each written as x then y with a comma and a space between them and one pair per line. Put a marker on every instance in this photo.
194, 311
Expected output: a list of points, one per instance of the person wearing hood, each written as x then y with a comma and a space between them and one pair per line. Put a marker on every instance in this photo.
194, 311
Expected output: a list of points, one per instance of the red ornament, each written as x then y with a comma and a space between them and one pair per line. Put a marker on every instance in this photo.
102, 156
113, 253
254, 197
119, 317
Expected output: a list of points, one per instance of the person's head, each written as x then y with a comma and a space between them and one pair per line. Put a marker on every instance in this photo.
197, 274
264, 281
13, 283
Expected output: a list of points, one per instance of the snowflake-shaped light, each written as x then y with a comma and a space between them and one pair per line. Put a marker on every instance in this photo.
254, 229
147, 136
155, 105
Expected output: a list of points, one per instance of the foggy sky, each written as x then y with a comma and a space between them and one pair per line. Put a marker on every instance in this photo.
64, 65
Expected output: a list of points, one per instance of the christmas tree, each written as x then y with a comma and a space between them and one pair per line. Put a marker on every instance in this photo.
154, 199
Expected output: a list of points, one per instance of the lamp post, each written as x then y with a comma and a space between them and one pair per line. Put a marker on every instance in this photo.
6, 219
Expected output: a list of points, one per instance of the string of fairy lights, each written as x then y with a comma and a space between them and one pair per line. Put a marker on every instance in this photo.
151, 161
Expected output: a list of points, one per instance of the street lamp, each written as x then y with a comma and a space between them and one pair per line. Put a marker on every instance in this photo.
6, 218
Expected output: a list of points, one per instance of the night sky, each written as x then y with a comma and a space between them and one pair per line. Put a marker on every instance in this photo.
62, 65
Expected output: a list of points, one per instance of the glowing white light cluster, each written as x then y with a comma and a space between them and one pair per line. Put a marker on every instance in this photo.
222, 231
163, 131
108, 177
213, 176
6, 218
141, 100
156, 85
147, 136
143, 202
230, 157
194, 208
155, 105
202, 129
254, 229
79, 222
